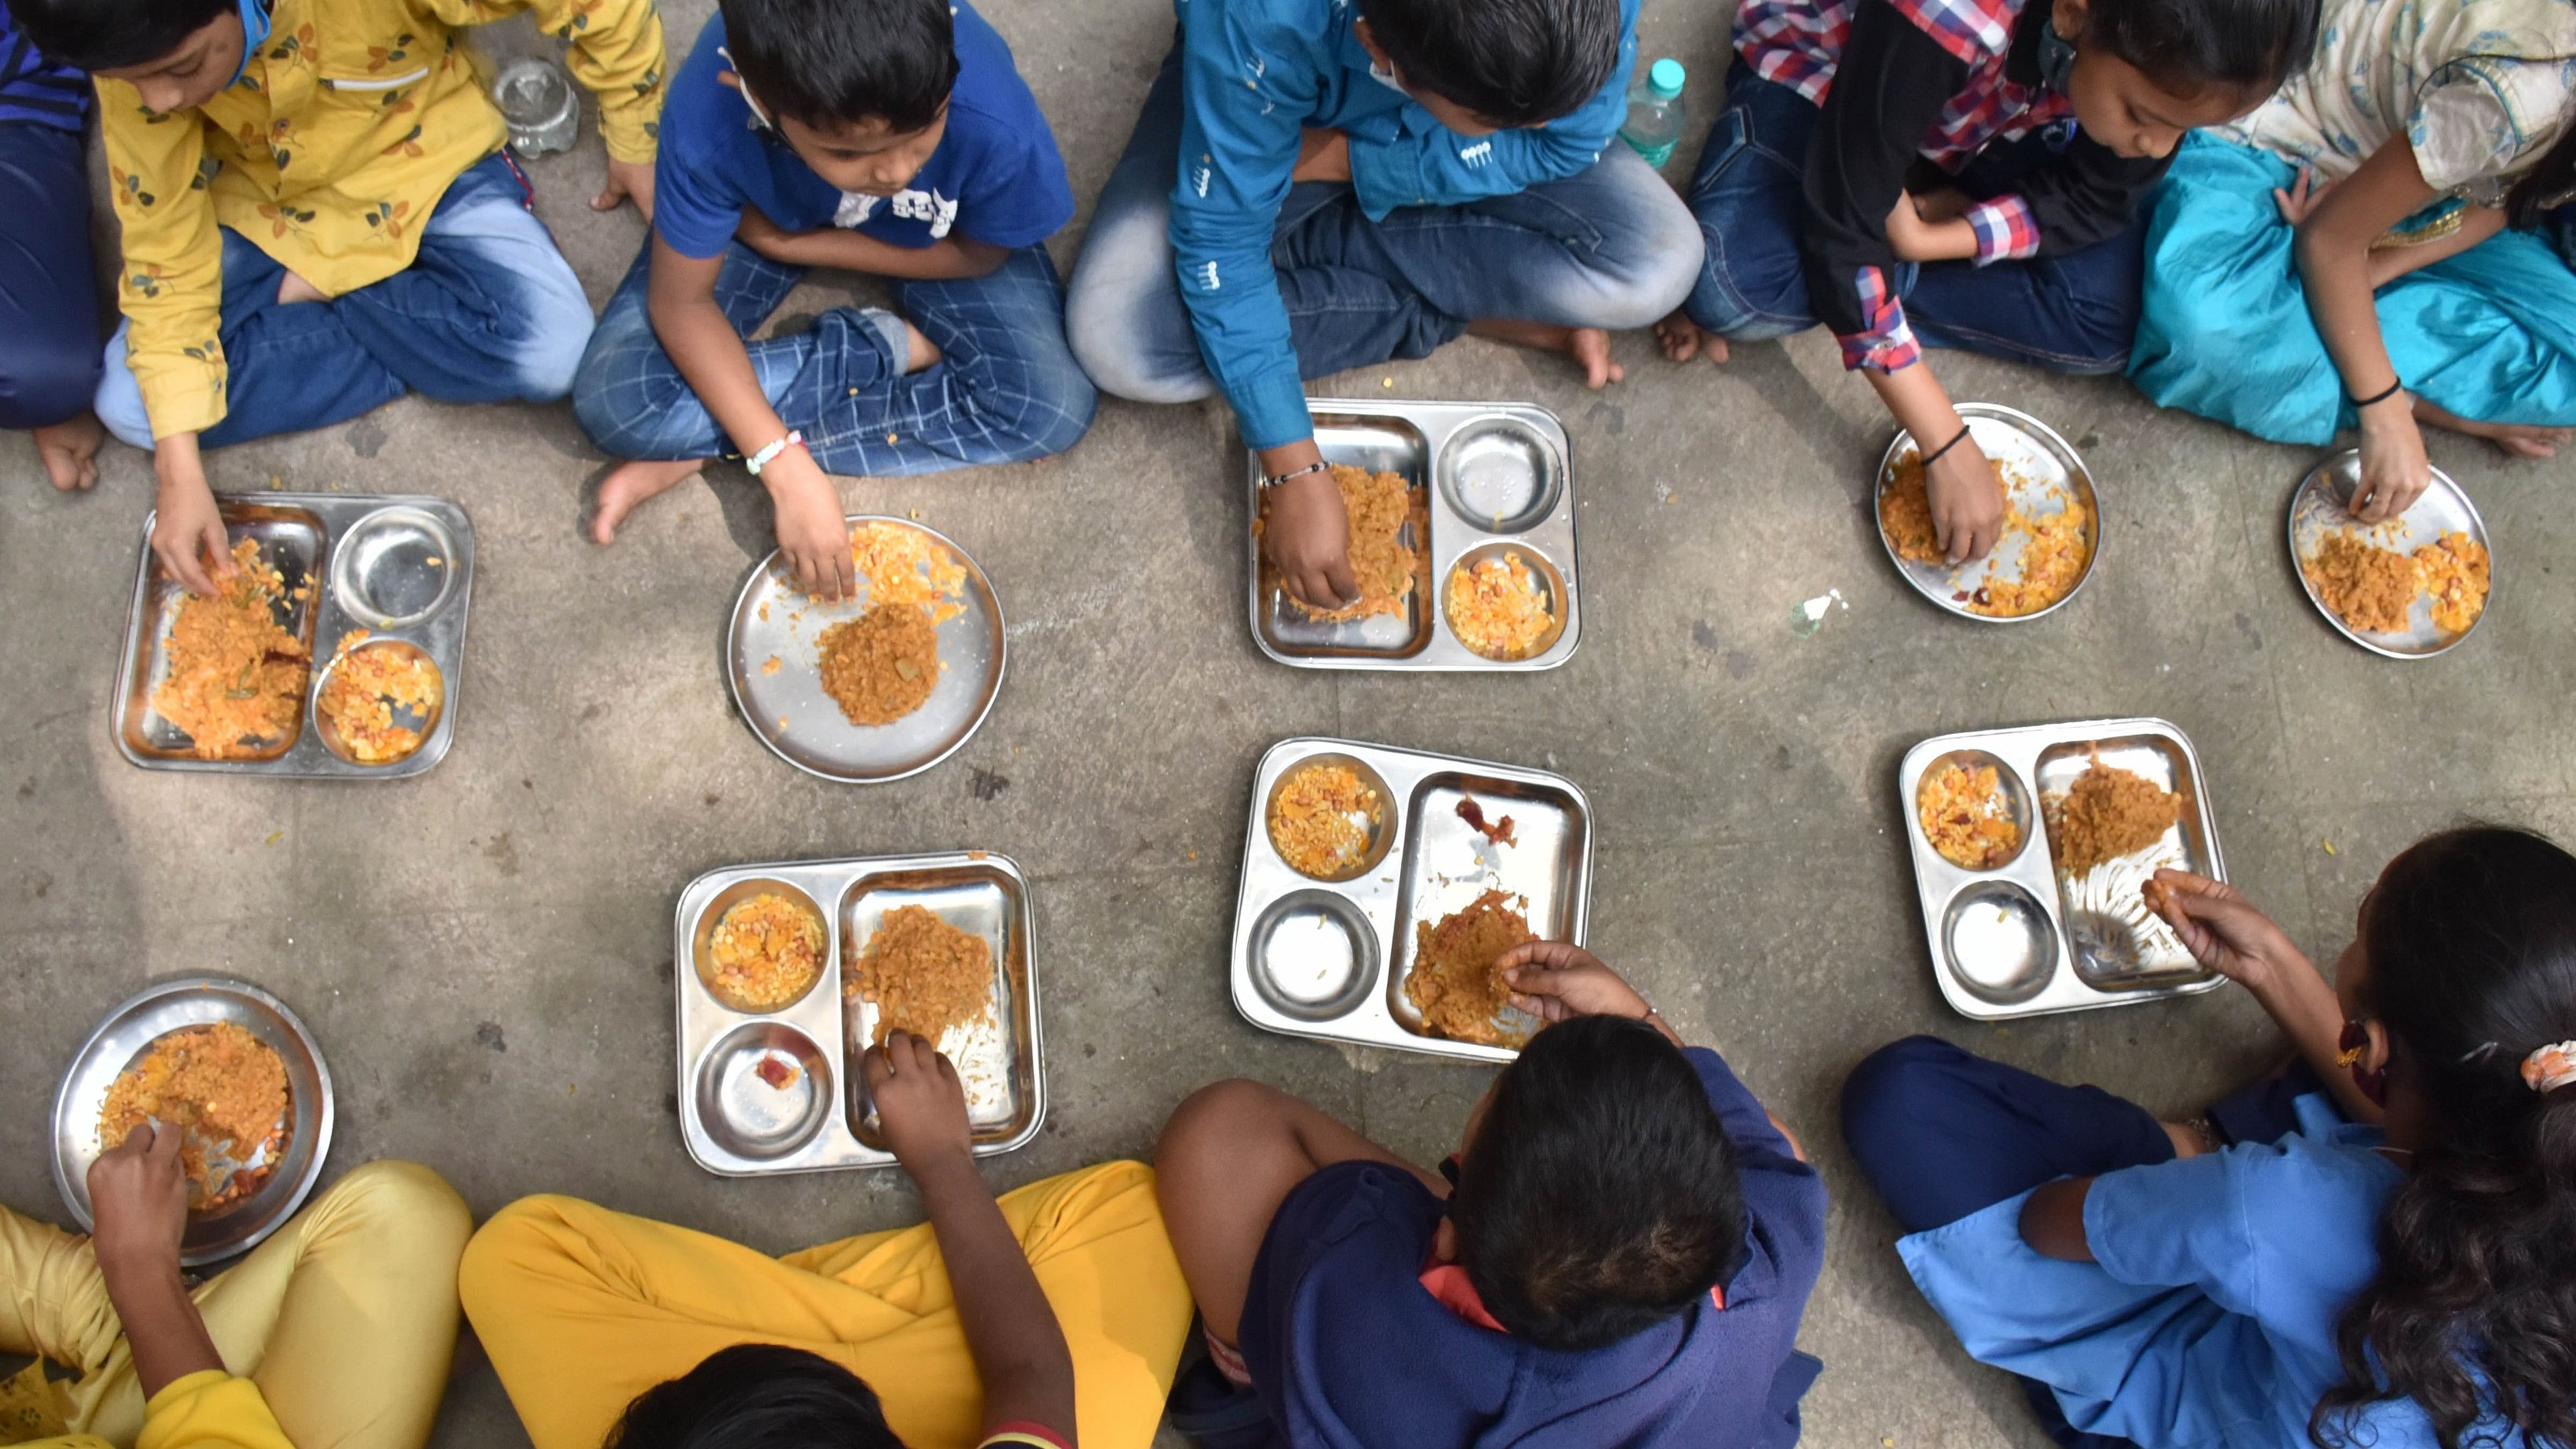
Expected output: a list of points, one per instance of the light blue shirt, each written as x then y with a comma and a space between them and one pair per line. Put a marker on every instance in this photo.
2208, 1317
1255, 75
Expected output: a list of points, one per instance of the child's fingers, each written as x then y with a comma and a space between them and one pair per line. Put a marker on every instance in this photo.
1546, 955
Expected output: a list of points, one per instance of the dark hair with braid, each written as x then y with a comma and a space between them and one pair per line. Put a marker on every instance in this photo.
2470, 938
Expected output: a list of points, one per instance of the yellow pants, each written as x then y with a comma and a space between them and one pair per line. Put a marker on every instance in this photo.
345, 1319
581, 1309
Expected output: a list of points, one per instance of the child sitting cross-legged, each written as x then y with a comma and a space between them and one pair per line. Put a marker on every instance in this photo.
2372, 1249
1621, 1262
892, 137
1958, 173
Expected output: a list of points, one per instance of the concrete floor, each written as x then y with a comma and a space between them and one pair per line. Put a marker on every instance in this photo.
485, 951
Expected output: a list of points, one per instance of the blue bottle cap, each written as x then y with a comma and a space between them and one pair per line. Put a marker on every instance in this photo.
1665, 77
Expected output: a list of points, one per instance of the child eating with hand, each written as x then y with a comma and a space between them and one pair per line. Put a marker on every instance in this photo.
1622, 1223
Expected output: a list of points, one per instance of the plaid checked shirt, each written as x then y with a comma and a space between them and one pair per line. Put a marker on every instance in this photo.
1799, 44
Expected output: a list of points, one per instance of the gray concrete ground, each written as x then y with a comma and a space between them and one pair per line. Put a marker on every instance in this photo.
485, 951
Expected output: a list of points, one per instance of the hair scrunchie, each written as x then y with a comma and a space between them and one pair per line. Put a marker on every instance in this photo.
2550, 1068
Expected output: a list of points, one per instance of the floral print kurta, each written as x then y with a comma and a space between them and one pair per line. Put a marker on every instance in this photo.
344, 130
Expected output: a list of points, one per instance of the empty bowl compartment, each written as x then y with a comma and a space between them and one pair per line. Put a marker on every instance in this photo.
1301, 842
1962, 833
1501, 474
763, 1091
702, 947
1481, 628
395, 566
346, 712
1998, 942
1313, 956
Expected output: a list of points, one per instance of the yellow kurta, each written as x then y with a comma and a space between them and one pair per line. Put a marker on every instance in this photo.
329, 152
208, 1410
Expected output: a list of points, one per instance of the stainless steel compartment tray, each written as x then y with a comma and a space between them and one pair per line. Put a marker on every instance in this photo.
1499, 475
2019, 940
821, 1120
399, 566
1328, 959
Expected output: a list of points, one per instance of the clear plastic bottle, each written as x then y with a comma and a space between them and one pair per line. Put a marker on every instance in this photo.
1655, 116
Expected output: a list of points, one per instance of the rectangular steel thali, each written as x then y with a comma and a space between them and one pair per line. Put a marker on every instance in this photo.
1500, 479
2021, 939
736, 1124
1329, 959
399, 567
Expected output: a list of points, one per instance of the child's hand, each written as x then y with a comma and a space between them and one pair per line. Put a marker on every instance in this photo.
1558, 980
2300, 201
139, 1200
2394, 470
1308, 538
2221, 929
627, 179
187, 527
1917, 237
920, 1102
811, 531
1967, 502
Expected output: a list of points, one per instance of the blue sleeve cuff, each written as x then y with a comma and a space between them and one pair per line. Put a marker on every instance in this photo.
1271, 411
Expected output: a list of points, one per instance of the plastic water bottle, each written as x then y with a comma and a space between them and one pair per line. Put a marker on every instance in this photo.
1655, 112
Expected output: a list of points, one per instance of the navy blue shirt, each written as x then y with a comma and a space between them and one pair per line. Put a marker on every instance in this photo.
1349, 1349
33, 88
996, 177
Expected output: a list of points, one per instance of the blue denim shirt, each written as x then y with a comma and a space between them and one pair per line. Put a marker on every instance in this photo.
1256, 74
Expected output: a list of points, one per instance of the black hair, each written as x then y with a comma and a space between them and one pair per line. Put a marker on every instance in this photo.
2470, 939
2191, 47
845, 62
1599, 1195
757, 1396
2546, 186
95, 35
1510, 62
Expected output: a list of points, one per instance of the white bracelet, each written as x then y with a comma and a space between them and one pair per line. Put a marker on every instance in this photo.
762, 459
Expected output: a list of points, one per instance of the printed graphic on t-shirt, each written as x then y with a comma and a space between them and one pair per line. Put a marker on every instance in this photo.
926, 206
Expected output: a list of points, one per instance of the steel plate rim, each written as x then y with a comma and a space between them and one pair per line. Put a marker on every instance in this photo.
2457, 494
2049, 437
992, 697
325, 1115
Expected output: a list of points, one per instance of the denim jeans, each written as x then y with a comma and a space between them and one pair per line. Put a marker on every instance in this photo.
1005, 389
1608, 247
2072, 312
49, 356
488, 312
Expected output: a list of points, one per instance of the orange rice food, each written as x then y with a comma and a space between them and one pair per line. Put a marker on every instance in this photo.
923, 975
225, 1090
768, 952
881, 665
2108, 813
365, 691
1322, 818
907, 566
2453, 573
2368, 587
1496, 608
1382, 563
2055, 546
236, 680
1454, 983
1965, 817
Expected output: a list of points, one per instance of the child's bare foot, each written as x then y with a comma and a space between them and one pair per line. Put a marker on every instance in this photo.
70, 451
1589, 346
2517, 440
1683, 340
630, 484
923, 352
292, 288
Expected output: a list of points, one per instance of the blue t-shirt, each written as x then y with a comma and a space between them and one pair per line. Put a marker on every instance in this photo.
1347, 1346
996, 177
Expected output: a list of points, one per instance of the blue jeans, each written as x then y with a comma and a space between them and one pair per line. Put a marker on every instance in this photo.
2074, 312
1608, 247
488, 312
1005, 389
48, 293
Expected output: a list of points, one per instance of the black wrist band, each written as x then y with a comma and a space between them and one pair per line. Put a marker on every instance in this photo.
2393, 389
1935, 455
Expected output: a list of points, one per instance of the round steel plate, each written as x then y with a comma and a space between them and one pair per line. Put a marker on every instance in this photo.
2035, 459
2322, 502
129, 1031
788, 710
